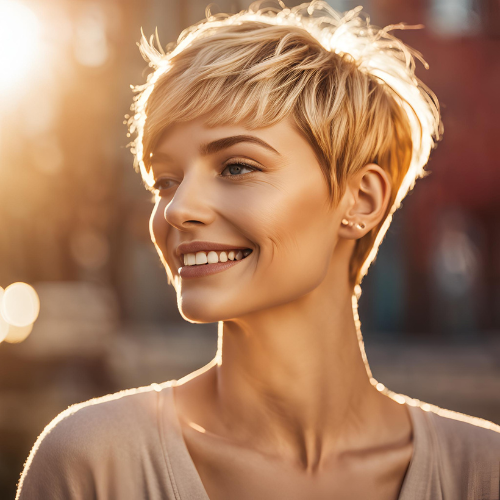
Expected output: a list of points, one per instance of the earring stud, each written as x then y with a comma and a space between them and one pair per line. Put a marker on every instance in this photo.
360, 225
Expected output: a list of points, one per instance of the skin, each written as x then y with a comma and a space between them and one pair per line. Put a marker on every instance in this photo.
286, 409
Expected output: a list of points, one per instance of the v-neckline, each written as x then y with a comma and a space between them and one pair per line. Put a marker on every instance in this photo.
187, 483
185, 479
416, 462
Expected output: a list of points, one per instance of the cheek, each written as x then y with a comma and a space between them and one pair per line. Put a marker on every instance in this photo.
299, 234
296, 219
293, 229
288, 227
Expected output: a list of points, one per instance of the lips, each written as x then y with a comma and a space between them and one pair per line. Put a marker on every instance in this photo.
187, 251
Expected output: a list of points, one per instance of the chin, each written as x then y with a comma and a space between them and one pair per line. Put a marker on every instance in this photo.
198, 311
199, 315
209, 309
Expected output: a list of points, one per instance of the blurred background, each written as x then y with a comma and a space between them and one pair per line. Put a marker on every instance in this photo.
74, 218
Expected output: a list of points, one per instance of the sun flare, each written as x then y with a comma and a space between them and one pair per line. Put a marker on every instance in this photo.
19, 42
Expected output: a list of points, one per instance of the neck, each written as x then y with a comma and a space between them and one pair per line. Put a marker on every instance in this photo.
294, 376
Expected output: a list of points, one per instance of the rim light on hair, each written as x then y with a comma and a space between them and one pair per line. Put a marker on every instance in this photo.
375, 52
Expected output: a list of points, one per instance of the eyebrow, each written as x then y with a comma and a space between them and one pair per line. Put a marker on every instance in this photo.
220, 144
226, 142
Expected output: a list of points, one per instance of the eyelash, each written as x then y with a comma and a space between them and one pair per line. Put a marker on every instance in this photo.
241, 164
156, 185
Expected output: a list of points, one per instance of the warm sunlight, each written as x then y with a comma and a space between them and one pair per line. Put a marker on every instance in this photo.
19, 39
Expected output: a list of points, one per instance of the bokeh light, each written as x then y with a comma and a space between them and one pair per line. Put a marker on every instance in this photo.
16, 334
20, 305
4, 326
91, 46
19, 41
89, 248
4, 329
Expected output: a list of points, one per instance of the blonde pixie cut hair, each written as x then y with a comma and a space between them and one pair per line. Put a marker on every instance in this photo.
350, 87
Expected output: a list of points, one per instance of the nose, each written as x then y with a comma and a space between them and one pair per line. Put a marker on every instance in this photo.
190, 205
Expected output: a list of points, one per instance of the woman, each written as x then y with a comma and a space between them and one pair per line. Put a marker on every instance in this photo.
278, 144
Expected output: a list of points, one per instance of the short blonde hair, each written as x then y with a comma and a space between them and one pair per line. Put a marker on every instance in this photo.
350, 87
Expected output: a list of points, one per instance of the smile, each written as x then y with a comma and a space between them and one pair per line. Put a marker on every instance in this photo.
212, 257
204, 263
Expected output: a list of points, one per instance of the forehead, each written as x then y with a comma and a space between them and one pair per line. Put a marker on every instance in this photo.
196, 137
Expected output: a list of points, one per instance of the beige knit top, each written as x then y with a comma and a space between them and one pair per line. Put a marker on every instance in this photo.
129, 446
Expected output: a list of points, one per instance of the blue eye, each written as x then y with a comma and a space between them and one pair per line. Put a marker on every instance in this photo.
236, 169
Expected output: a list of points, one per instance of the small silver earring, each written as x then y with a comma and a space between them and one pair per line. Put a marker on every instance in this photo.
361, 225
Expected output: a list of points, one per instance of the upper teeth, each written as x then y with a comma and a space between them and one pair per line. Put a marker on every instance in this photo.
211, 257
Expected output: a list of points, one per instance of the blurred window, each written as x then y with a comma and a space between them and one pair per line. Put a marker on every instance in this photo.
340, 5
454, 17
450, 18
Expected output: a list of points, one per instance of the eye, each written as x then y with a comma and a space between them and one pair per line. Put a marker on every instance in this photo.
236, 169
163, 184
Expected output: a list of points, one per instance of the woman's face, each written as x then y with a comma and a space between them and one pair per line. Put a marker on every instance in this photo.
260, 190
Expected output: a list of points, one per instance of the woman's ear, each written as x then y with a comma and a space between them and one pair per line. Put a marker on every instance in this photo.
366, 198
